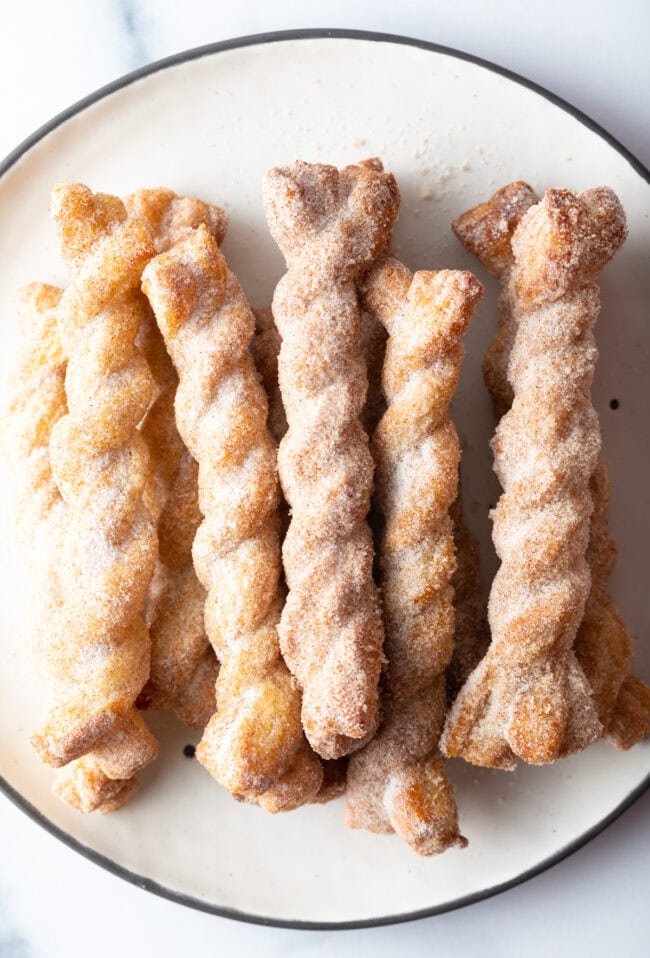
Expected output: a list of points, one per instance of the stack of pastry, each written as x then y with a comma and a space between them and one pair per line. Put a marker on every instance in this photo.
255, 520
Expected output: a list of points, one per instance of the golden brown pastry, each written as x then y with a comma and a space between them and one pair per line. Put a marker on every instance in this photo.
529, 698
97, 657
183, 664
398, 781
253, 744
603, 644
330, 225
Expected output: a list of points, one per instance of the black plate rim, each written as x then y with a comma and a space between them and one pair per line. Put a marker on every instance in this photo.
19, 800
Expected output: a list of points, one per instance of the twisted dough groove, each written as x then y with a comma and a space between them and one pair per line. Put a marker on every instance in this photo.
253, 745
472, 633
97, 658
603, 644
183, 664
330, 225
265, 349
529, 697
37, 402
398, 782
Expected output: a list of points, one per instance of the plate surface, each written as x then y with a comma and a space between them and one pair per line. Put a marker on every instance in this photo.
452, 130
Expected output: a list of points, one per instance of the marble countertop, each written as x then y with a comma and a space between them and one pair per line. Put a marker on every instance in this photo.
54, 903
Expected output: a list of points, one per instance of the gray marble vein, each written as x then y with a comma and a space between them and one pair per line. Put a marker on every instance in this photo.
12, 942
134, 33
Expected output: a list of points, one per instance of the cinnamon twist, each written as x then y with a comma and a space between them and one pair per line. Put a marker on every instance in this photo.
529, 697
98, 656
265, 349
38, 402
183, 664
330, 225
603, 645
253, 745
398, 782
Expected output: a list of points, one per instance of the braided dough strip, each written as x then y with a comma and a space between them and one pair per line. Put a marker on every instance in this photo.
253, 745
330, 225
529, 697
603, 645
37, 403
97, 658
183, 664
398, 782
265, 349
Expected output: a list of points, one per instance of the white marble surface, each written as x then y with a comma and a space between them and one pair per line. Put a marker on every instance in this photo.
53, 903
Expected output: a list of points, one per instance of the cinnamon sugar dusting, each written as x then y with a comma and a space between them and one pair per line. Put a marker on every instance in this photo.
529, 697
254, 740
183, 664
330, 225
96, 656
398, 781
603, 644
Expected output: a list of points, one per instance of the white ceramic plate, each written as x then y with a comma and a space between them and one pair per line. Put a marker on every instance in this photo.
209, 123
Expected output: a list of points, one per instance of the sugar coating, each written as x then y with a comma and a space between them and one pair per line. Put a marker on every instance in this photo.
330, 225
96, 656
529, 698
37, 402
183, 664
397, 782
253, 744
265, 349
603, 644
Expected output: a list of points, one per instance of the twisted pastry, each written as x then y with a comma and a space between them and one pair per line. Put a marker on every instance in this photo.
37, 403
253, 745
603, 644
329, 225
266, 349
183, 664
98, 657
529, 697
398, 782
